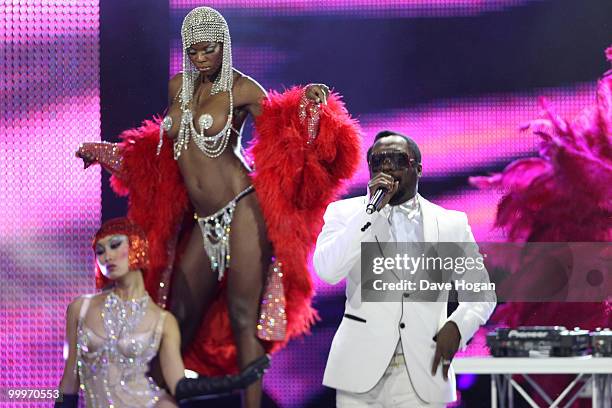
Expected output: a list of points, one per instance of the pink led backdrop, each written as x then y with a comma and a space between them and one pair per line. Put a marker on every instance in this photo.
457, 135
49, 207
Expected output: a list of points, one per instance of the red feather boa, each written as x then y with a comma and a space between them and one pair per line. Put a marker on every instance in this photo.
150, 182
294, 182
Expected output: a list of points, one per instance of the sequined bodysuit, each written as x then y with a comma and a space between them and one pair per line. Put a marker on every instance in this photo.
113, 366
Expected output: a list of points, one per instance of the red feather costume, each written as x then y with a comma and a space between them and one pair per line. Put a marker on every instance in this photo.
565, 195
294, 181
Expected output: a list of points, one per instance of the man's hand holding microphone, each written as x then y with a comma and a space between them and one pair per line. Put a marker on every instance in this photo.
382, 188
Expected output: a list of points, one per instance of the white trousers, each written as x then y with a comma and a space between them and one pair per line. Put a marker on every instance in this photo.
393, 390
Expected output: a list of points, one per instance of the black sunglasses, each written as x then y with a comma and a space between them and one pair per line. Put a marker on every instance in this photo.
397, 160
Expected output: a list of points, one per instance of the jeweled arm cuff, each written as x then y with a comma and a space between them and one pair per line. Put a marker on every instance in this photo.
106, 153
309, 113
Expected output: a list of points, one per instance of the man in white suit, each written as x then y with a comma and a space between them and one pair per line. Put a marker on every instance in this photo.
395, 354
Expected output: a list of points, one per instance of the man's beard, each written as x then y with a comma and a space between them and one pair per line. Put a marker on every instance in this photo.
398, 196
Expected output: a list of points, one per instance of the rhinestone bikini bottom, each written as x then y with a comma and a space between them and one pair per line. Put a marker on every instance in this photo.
216, 233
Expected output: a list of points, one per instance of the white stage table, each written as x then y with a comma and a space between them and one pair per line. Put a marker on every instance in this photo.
596, 372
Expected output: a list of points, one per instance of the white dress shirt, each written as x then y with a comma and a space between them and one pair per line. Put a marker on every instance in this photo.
405, 220
406, 225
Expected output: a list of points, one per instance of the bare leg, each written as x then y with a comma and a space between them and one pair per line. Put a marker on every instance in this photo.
250, 259
193, 287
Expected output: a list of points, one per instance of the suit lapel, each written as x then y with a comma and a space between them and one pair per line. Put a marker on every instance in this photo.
430, 221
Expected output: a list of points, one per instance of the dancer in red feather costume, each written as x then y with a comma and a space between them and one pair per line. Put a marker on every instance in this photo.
565, 195
306, 145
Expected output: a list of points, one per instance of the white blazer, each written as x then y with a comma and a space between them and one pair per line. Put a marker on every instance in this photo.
362, 349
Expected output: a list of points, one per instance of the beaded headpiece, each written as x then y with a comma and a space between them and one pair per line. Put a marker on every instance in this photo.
138, 254
206, 24
202, 24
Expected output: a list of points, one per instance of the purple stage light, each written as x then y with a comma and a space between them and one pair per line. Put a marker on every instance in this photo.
465, 381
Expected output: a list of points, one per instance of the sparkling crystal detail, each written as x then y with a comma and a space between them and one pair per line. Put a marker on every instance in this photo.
167, 123
106, 153
309, 114
205, 121
216, 229
212, 146
207, 24
204, 24
272, 324
107, 378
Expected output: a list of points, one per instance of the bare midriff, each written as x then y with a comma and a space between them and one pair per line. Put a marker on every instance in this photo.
212, 182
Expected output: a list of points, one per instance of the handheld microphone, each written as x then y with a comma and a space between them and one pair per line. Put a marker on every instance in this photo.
376, 200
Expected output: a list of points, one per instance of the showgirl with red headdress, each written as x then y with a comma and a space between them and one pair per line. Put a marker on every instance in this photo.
112, 336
